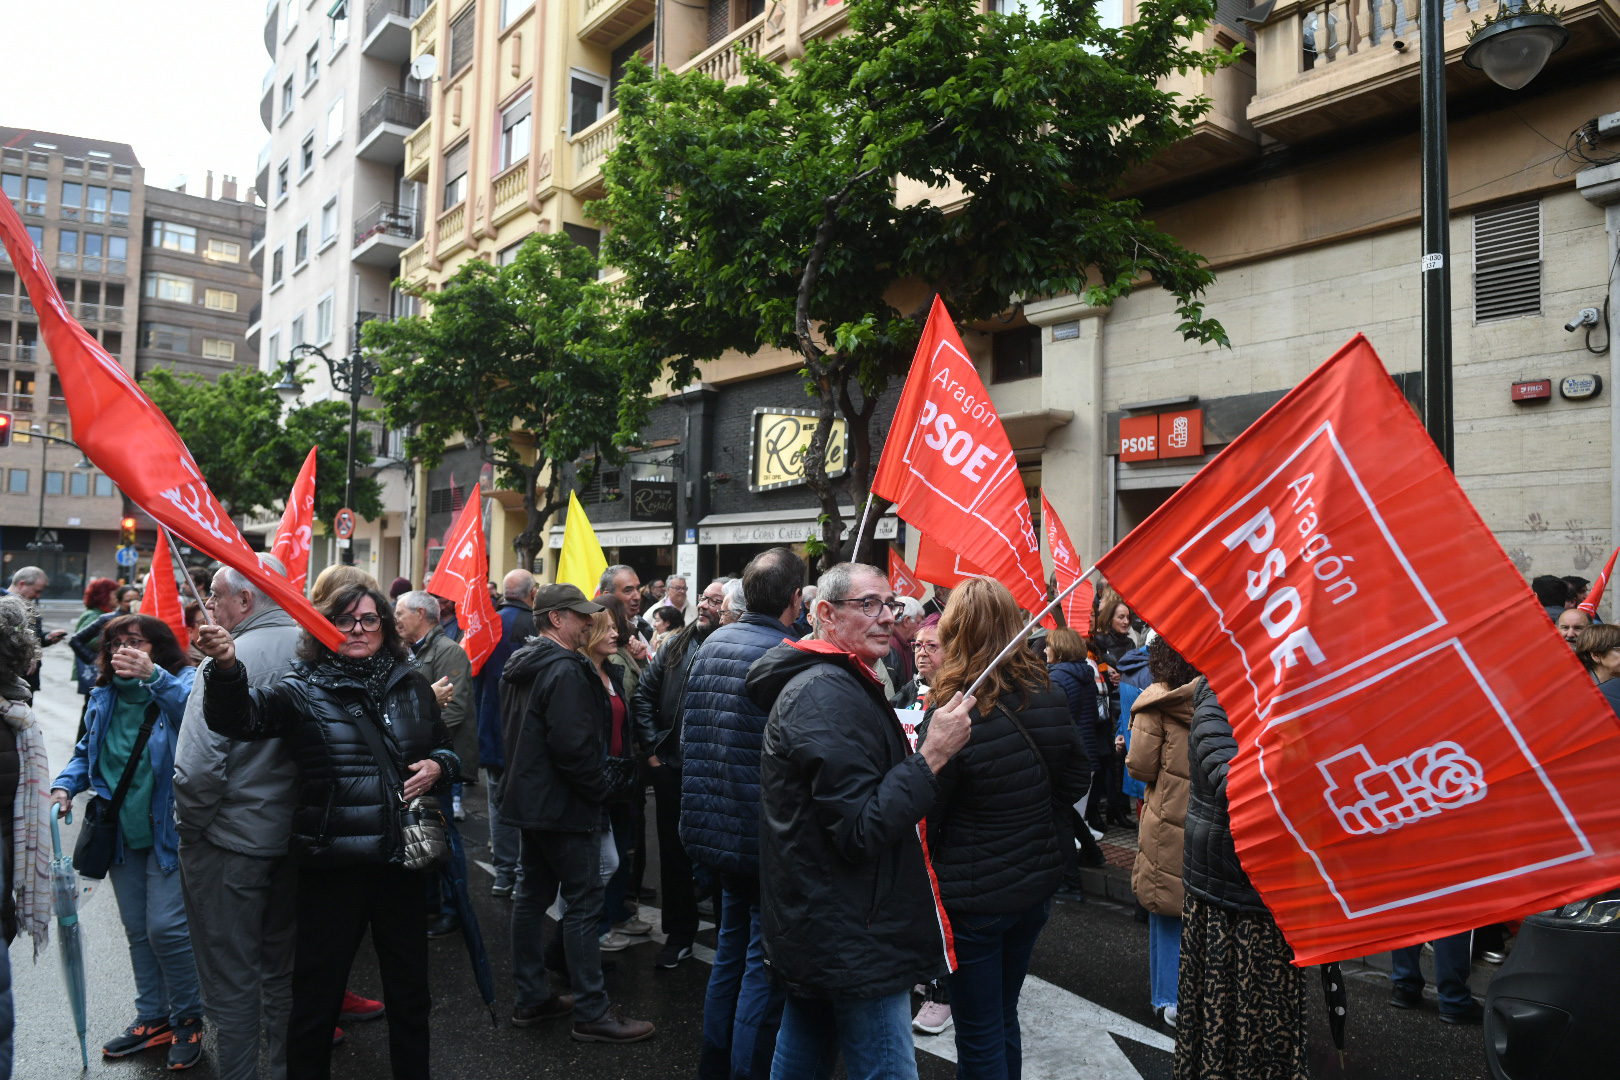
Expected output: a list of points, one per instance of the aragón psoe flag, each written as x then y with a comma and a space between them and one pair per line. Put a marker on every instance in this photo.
1419, 753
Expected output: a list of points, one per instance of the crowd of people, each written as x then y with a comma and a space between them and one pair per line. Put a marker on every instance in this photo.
879, 848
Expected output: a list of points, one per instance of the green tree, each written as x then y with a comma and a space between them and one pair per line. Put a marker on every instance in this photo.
525, 361
766, 214
250, 453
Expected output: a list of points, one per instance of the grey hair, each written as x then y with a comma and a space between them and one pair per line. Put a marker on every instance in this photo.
606, 584
423, 603
26, 575
19, 648
734, 596
236, 581
670, 581
517, 585
913, 606
837, 584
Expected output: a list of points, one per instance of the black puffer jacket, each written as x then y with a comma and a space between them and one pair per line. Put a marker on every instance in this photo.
846, 906
1210, 866
659, 700
340, 819
554, 718
997, 842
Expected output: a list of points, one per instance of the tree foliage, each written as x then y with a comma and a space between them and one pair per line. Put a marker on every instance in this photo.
765, 214
526, 361
250, 454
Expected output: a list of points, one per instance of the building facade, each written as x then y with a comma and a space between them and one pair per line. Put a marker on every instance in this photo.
83, 204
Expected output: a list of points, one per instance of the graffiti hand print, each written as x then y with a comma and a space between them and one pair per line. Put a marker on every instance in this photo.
1368, 797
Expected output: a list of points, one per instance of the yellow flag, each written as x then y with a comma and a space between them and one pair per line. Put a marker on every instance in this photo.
583, 561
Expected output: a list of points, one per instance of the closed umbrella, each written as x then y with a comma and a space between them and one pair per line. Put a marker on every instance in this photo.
65, 901
455, 873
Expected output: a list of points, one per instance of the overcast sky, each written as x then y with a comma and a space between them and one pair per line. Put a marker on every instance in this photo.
176, 79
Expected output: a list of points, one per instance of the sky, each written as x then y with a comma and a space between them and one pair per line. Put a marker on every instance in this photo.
176, 79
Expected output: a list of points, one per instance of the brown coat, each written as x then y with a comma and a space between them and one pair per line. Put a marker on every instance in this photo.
1160, 721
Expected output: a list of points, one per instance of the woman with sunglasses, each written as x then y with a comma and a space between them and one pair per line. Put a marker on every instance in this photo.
345, 826
141, 666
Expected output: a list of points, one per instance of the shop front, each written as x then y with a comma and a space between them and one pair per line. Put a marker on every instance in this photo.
647, 547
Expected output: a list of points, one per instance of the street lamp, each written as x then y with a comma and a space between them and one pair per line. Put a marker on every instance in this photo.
352, 375
1511, 48
39, 543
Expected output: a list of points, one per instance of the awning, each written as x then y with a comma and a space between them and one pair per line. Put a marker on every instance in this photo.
782, 526
339, 10
1154, 475
625, 534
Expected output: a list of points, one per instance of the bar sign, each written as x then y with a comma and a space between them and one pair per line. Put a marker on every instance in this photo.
1539, 390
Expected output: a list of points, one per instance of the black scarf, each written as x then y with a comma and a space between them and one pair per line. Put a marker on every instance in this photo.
372, 670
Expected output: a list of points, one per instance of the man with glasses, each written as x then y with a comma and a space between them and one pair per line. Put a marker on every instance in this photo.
847, 906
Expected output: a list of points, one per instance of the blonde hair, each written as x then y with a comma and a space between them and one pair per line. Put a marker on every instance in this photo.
338, 577
980, 618
602, 624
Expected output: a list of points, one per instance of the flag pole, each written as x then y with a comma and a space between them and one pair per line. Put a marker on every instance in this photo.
1035, 619
174, 559
860, 530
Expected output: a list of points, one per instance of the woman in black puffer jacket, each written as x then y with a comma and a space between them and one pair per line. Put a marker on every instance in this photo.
346, 832
999, 835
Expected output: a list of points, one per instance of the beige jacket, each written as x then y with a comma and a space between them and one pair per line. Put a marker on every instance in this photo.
1160, 721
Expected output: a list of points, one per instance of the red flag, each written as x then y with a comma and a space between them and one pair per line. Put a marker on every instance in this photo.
1418, 752
129, 438
1595, 595
939, 565
298, 525
949, 467
162, 596
461, 575
1066, 566
901, 579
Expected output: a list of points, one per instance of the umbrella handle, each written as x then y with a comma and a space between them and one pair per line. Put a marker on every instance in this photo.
56, 832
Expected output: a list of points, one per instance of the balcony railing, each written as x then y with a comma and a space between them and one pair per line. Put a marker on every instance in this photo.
379, 10
413, 260
592, 145
393, 107
22, 352
512, 188
425, 30
72, 166
452, 223
256, 313
724, 61
112, 313
387, 219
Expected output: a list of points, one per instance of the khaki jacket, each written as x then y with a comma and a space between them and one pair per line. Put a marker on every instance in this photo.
1160, 721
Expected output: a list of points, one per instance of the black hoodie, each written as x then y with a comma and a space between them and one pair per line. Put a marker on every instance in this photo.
554, 714
847, 906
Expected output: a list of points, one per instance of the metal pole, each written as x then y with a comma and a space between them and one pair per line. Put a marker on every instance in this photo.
346, 553
44, 445
1436, 228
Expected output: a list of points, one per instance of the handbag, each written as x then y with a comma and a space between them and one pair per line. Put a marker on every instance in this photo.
98, 837
424, 834
623, 773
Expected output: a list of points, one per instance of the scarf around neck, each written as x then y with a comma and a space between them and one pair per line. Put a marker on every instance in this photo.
372, 670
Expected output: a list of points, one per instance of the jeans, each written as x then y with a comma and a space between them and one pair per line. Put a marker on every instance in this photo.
873, 1033
153, 909
742, 1009
7, 1013
503, 838
618, 884
570, 863
1453, 957
679, 914
992, 957
1164, 958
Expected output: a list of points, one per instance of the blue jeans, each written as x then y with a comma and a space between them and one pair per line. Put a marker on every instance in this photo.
1453, 957
873, 1033
742, 1009
1164, 958
503, 838
992, 957
618, 886
152, 906
7, 1012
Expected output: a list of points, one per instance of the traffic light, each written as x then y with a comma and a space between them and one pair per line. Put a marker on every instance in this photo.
129, 530
5, 429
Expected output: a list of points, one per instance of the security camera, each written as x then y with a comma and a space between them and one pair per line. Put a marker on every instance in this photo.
1587, 316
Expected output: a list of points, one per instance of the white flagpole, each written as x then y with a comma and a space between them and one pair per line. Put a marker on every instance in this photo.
174, 560
860, 530
1035, 619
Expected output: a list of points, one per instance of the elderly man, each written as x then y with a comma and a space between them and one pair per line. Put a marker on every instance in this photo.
900, 663
732, 602
675, 596
30, 582
841, 792
517, 627
1571, 621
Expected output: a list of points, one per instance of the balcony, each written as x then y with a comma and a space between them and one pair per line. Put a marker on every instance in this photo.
112, 313
1328, 66
1224, 137
22, 352
255, 324
267, 98
511, 192
452, 230
425, 31
388, 29
413, 265
256, 250
418, 151
271, 10
723, 61
385, 124
822, 18
261, 179
382, 232
591, 146
608, 22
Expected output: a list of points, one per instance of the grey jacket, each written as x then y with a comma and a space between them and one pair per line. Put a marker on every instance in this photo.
438, 657
240, 795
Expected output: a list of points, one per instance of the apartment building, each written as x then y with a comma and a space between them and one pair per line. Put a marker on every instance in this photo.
199, 291
338, 101
1300, 186
82, 202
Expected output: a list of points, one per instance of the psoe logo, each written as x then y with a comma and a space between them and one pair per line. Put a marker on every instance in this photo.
1367, 797
1178, 433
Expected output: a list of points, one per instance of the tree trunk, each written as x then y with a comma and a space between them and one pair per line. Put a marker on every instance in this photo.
531, 541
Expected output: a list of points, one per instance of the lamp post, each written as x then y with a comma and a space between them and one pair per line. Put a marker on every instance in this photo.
352, 375
1512, 47
39, 543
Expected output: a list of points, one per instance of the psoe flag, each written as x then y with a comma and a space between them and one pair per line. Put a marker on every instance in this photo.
1418, 751
462, 576
582, 561
901, 579
1066, 567
297, 529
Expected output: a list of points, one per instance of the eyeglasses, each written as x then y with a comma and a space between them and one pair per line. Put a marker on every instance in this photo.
872, 606
130, 643
710, 601
925, 646
367, 622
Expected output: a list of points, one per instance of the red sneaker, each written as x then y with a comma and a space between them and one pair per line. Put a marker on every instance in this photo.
338, 1036
356, 1007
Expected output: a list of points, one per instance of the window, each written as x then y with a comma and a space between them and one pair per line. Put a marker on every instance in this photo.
289, 17
1507, 261
639, 45
323, 320
272, 350
215, 349
455, 176
118, 214
515, 126
334, 123
34, 203
23, 394
78, 483
156, 335
586, 93
95, 205
224, 251
585, 236
312, 65
11, 185
117, 252
278, 259
92, 251
329, 221
67, 241
1016, 354
219, 299
283, 179
511, 9
508, 255
338, 33
166, 234
463, 33
170, 287
36, 233
306, 156
17, 481
296, 337
104, 485
113, 340
300, 247
287, 98
53, 482
72, 199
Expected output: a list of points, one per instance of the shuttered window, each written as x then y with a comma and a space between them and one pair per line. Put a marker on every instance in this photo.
1507, 261
462, 32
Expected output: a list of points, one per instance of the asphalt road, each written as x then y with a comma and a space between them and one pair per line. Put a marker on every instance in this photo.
1085, 1011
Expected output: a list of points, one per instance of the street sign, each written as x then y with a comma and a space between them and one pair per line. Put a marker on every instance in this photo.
128, 555
343, 524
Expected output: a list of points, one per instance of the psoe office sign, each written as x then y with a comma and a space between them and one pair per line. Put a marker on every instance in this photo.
779, 441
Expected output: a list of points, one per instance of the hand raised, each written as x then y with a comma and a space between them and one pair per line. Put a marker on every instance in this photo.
216, 641
948, 731
443, 691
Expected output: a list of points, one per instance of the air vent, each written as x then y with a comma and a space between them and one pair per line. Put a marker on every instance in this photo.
446, 500
1507, 262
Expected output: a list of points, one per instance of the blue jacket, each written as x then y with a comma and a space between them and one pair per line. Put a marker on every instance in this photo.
1079, 684
722, 733
517, 626
170, 692
1133, 670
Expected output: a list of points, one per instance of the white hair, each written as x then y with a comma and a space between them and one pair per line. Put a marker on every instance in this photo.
423, 603
913, 606
734, 597
27, 575
236, 581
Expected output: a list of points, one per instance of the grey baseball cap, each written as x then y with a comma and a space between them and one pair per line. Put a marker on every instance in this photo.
557, 597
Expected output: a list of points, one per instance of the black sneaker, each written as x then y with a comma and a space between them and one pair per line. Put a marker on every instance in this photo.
1402, 996
186, 1050
1472, 1013
445, 925
673, 953
141, 1035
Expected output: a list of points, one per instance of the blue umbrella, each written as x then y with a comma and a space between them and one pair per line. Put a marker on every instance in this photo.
65, 900
455, 873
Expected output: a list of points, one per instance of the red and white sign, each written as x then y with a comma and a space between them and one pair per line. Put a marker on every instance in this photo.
949, 468
293, 537
462, 576
343, 523
1181, 434
1066, 567
1539, 390
162, 596
1139, 438
1419, 753
901, 579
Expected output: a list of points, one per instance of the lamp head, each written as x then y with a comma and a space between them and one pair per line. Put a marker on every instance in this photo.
1514, 48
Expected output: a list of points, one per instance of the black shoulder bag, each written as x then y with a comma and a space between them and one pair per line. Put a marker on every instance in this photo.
423, 832
98, 836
